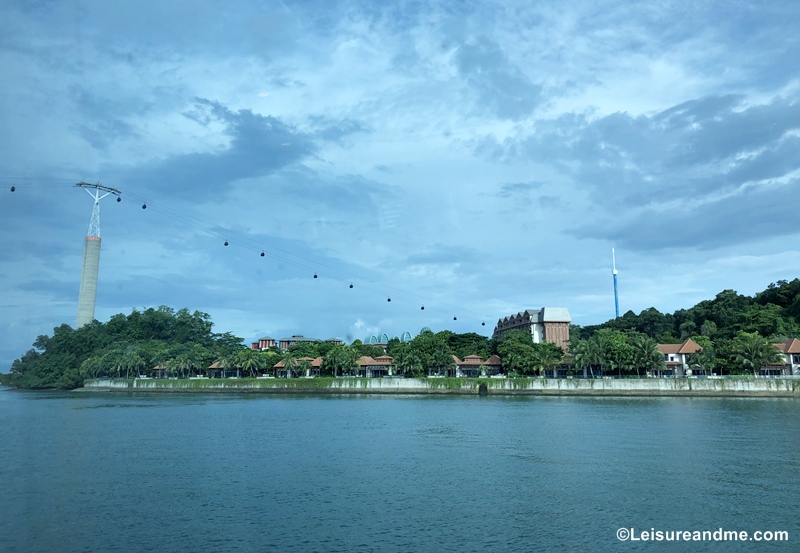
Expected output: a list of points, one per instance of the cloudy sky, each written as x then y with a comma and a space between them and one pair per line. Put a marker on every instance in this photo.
476, 158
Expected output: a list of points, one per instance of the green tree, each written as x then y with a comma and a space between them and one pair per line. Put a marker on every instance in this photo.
304, 349
469, 343
646, 354
441, 360
408, 361
705, 359
269, 359
339, 360
517, 355
303, 367
617, 351
250, 361
708, 328
753, 352
546, 357
290, 364
588, 354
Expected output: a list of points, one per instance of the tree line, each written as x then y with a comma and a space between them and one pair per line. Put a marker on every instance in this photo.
736, 334
773, 313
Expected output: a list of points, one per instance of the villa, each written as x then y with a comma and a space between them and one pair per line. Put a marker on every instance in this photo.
790, 350
676, 356
268, 342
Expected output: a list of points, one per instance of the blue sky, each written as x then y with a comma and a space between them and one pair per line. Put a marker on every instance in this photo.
478, 158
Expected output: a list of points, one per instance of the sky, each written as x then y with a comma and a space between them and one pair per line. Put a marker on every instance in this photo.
474, 158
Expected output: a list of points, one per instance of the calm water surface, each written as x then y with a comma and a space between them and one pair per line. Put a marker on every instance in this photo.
208, 473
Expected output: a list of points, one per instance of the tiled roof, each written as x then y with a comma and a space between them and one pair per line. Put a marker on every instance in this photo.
688, 346
299, 338
669, 348
789, 346
493, 360
365, 360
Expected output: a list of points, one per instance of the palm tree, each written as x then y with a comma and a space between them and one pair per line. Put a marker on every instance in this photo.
289, 363
588, 354
408, 362
137, 363
182, 364
224, 361
580, 354
704, 359
599, 343
340, 359
303, 366
250, 360
546, 357
646, 354
441, 360
118, 362
754, 352
90, 367
172, 366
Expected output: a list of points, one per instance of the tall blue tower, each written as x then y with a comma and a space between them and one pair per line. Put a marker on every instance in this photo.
614, 273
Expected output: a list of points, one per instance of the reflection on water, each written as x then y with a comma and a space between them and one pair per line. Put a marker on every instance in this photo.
212, 472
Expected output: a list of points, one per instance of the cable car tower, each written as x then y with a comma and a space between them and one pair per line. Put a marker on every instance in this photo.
91, 253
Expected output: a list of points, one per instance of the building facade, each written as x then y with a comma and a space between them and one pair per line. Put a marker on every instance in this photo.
790, 349
676, 356
548, 324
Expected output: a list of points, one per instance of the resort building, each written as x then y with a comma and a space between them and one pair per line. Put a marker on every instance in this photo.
304, 366
267, 342
790, 349
375, 367
218, 370
676, 356
286, 343
472, 366
548, 324
264, 343
493, 366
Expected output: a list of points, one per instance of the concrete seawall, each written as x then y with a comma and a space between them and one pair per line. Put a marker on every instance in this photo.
711, 387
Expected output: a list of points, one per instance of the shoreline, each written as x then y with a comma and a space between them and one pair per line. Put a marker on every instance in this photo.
644, 387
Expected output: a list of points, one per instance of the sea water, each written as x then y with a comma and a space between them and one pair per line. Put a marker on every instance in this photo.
98, 472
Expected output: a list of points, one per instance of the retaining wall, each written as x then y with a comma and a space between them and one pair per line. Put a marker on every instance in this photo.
722, 387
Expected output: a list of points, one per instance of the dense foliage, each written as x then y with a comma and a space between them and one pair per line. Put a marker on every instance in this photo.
123, 346
773, 313
736, 333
